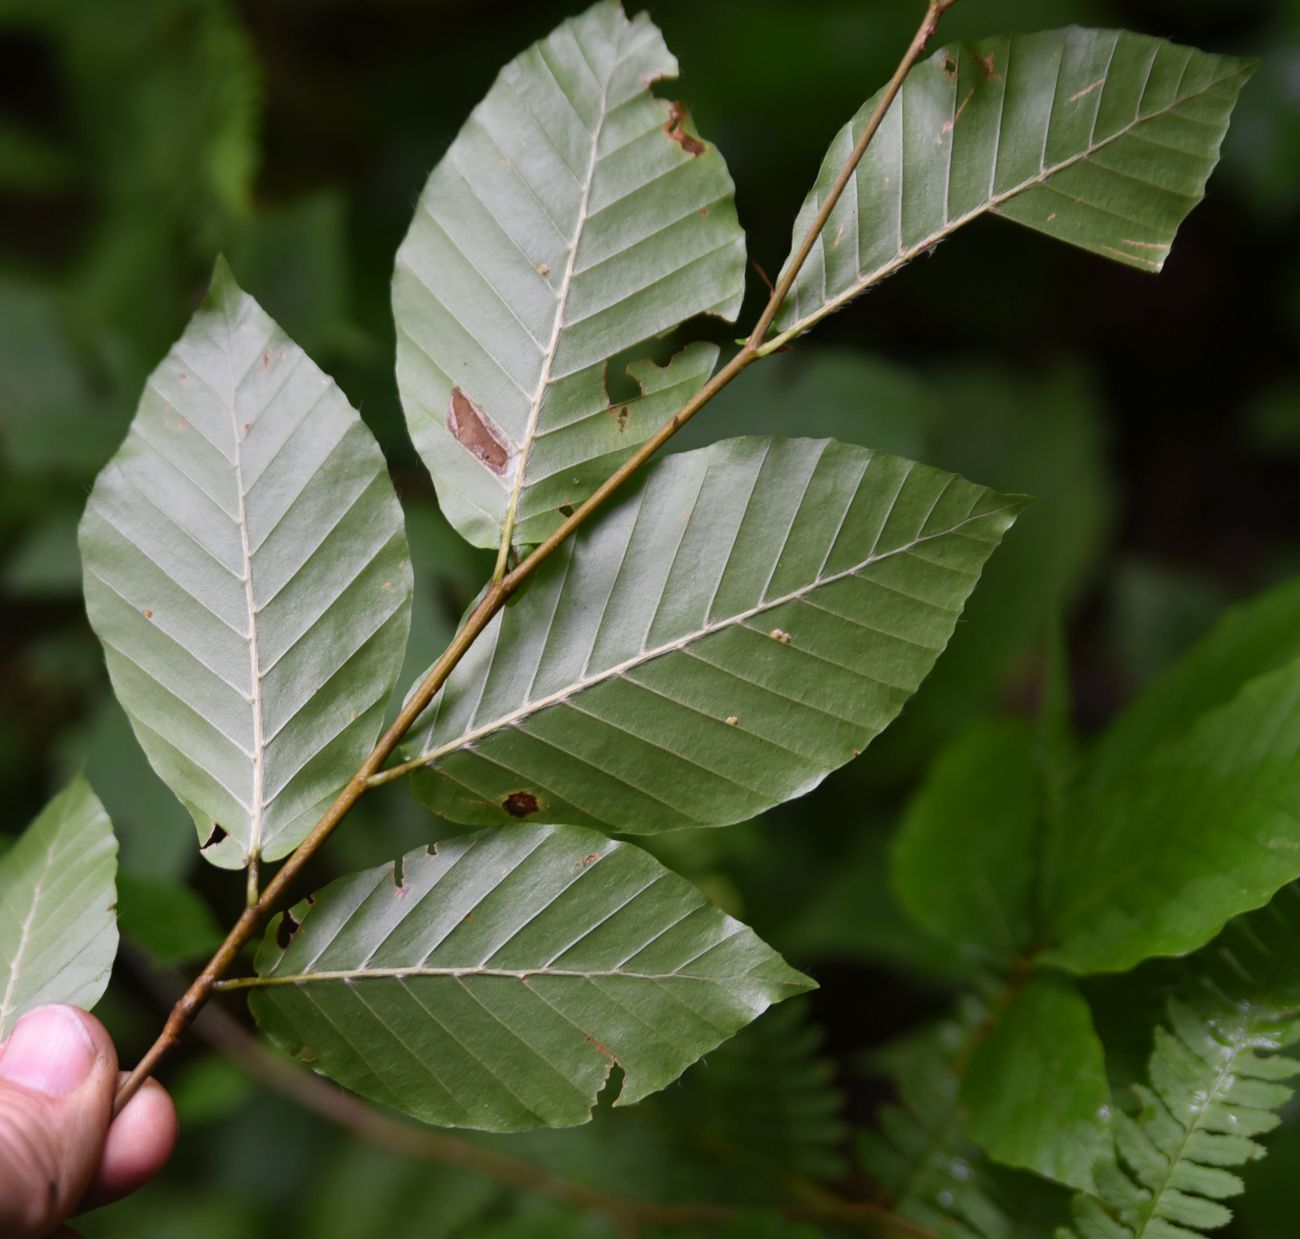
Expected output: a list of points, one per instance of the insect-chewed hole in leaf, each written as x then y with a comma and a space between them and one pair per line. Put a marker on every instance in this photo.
520, 804
470, 426
217, 835
285, 929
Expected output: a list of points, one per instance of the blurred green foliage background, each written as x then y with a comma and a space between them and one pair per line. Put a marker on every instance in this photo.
1158, 421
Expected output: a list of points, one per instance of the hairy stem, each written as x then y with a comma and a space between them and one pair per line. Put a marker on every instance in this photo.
498, 594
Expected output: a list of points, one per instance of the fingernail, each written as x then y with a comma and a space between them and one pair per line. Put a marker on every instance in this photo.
49, 1051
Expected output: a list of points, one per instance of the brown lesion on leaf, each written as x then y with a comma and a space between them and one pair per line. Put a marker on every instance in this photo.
950, 125
675, 128
619, 414
147, 613
599, 1048
590, 859
988, 66
780, 636
474, 430
949, 64
521, 804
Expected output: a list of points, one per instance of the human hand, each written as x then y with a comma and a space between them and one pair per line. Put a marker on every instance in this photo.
60, 1148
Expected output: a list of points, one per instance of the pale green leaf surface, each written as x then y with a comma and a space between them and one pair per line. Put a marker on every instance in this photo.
1207, 827
739, 624
246, 571
568, 222
58, 931
499, 979
964, 855
1036, 1088
1101, 138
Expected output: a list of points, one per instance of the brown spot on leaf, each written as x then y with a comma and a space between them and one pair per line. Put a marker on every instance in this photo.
472, 428
266, 360
183, 423
620, 417
988, 66
733, 720
590, 859
185, 378
704, 212
605, 1050
949, 125
949, 64
780, 634
520, 804
675, 128
147, 613
543, 270
247, 427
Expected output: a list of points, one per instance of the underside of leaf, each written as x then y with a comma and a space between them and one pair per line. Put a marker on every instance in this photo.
738, 625
1101, 138
574, 217
246, 571
58, 932
497, 981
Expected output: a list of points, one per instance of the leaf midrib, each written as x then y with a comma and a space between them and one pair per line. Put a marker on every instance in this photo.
866, 279
581, 685
557, 329
460, 972
25, 936
254, 659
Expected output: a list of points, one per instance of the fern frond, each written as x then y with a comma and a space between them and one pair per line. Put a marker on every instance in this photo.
1217, 1080
764, 1107
920, 1156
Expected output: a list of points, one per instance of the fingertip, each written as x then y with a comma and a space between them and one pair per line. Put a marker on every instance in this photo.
139, 1142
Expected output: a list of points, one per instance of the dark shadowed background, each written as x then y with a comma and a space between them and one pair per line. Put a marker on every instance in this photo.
1157, 419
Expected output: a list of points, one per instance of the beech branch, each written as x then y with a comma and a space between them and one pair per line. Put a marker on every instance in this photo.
371, 773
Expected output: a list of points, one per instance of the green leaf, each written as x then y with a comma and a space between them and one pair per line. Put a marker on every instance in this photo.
169, 921
246, 570
736, 626
1036, 1089
497, 982
58, 932
1207, 827
1258, 636
1216, 1084
574, 217
921, 1139
965, 857
1101, 138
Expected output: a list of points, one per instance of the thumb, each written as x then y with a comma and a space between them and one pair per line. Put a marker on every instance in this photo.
58, 1072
